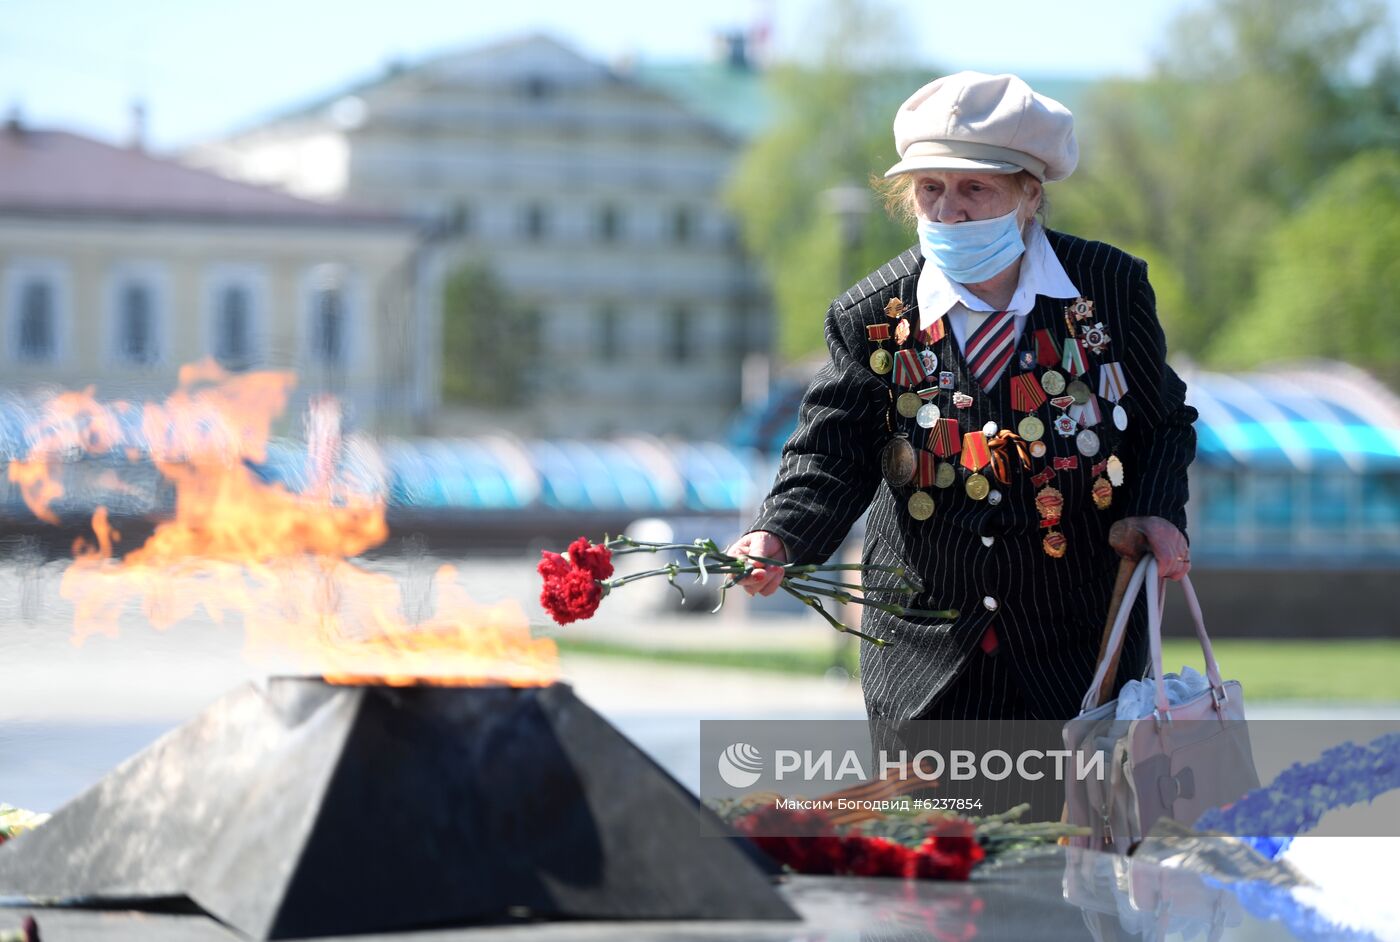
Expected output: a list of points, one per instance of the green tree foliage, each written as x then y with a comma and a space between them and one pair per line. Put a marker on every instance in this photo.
832, 130
1251, 103
485, 337
1330, 283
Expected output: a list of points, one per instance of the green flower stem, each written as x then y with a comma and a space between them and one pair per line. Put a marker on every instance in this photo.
848, 599
832, 582
830, 619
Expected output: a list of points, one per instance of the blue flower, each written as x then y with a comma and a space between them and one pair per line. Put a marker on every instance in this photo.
1295, 801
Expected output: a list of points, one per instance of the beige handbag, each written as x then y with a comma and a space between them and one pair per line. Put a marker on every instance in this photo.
1179, 762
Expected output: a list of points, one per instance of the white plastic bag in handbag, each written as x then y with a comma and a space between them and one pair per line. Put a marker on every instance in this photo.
1179, 762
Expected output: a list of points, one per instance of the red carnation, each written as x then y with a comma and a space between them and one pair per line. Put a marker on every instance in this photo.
946, 856
596, 560
574, 595
552, 565
876, 857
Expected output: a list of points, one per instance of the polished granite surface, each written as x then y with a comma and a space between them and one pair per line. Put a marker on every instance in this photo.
1052, 896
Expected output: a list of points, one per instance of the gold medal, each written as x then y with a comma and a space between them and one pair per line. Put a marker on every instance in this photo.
977, 487
881, 361
1030, 428
1054, 544
920, 505
945, 475
1049, 502
908, 404
1102, 492
1053, 382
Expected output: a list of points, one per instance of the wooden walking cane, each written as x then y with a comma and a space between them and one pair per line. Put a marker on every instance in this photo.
1135, 542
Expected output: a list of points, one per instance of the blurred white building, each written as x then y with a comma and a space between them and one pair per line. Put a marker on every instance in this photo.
117, 267
592, 194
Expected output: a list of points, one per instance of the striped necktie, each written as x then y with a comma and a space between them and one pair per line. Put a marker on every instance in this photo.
990, 346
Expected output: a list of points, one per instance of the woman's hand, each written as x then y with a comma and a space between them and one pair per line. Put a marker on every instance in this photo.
762, 579
1133, 536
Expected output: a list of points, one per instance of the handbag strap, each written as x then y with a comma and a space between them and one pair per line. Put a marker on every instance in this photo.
1146, 572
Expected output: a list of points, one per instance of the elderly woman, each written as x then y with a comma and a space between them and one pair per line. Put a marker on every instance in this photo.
996, 397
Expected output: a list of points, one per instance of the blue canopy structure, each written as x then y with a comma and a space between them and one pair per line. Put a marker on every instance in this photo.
1316, 416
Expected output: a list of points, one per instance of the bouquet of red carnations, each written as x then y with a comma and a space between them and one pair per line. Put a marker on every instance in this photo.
576, 581
928, 845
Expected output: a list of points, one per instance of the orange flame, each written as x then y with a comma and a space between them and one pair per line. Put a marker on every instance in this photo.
278, 560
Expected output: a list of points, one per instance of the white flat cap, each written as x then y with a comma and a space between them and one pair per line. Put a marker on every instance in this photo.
991, 123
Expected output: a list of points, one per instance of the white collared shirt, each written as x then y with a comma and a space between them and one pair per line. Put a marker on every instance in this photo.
1041, 273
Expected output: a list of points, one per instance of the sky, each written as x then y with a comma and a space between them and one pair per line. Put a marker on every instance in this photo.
203, 67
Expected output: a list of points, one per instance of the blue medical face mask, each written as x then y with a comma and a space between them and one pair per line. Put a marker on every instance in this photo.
973, 251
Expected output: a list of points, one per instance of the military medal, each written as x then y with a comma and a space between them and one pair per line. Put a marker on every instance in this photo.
1115, 471
945, 475
894, 308
1087, 413
1026, 393
1030, 428
1096, 338
962, 400
1120, 417
994, 497
929, 412
1112, 385
1053, 382
908, 404
1087, 441
1073, 357
1045, 353
929, 360
1101, 490
1070, 463
934, 332
1049, 503
1026, 359
1065, 425
921, 501
976, 455
880, 360
1062, 402
920, 505
901, 331
897, 461
1080, 308
990, 429
908, 369
944, 438
1042, 478
1036, 448
1078, 391
946, 380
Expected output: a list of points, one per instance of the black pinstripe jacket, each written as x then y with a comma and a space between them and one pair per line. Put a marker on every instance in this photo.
1049, 612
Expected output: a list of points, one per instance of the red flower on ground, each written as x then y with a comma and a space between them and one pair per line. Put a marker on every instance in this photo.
876, 857
949, 854
804, 841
